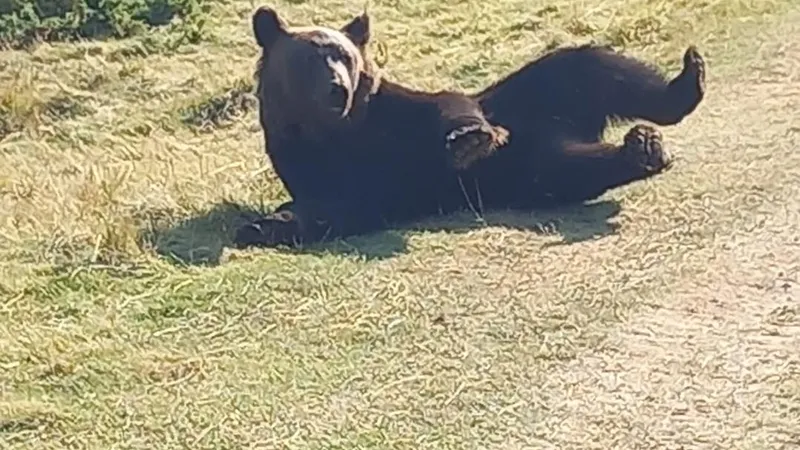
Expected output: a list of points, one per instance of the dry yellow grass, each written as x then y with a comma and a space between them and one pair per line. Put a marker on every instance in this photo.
664, 315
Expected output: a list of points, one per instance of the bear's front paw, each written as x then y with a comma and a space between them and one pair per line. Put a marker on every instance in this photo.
280, 228
470, 143
645, 148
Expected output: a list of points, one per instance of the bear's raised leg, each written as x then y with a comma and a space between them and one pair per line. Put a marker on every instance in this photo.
584, 87
586, 170
664, 103
684, 92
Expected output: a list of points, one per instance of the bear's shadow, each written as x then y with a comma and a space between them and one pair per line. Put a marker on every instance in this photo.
201, 240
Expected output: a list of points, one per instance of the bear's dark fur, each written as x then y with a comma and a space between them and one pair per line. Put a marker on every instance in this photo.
376, 153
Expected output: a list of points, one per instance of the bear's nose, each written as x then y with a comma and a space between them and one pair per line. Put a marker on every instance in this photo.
339, 96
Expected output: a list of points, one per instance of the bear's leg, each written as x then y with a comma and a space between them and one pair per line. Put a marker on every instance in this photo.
281, 227
584, 171
293, 224
667, 103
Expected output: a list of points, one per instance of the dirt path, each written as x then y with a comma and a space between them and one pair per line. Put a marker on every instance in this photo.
715, 365
716, 362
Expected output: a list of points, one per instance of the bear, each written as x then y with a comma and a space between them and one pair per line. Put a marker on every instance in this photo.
354, 151
359, 153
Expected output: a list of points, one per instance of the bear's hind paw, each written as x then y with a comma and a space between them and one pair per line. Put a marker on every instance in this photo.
695, 68
644, 146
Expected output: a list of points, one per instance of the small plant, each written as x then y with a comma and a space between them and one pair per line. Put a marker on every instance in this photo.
23, 22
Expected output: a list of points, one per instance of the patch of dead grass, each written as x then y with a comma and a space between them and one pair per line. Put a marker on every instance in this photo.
221, 109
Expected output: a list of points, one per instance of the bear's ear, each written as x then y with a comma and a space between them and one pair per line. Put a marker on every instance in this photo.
358, 30
267, 26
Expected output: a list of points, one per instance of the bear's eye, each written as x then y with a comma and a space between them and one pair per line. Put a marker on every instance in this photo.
336, 53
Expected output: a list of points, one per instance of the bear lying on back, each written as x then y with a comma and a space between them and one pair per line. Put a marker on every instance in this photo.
358, 153
355, 152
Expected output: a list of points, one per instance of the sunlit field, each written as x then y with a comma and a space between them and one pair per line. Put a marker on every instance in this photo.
666, 314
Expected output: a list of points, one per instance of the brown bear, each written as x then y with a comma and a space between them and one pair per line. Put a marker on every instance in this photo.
359, 153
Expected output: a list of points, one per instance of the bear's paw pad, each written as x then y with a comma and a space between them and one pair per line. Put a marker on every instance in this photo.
644, 146
473, 142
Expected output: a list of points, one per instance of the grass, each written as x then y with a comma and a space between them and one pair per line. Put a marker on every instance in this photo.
25, 22
125, 321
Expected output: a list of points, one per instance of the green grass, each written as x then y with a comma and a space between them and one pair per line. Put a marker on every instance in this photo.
27, 22
125, 319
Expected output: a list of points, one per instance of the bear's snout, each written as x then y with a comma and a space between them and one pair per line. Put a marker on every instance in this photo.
340, 99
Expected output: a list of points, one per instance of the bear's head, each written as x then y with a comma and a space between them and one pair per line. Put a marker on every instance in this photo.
313, 77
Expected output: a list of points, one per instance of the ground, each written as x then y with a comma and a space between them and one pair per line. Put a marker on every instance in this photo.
664, 315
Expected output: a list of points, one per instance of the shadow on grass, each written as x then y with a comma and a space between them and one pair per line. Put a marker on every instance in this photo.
200, 240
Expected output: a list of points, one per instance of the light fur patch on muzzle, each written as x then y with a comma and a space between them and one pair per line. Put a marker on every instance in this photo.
341, 76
